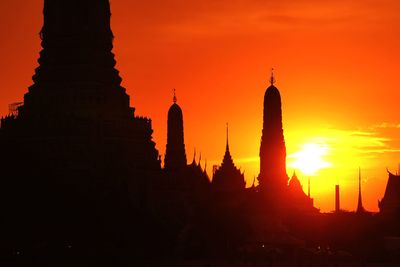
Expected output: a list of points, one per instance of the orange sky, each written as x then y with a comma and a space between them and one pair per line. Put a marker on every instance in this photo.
337, 66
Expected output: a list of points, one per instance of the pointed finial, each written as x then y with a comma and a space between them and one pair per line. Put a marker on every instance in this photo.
272, 79
175, 99
227, 136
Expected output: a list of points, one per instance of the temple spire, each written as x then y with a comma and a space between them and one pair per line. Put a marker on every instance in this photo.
273, 178
360, 207
227, 176
175, 155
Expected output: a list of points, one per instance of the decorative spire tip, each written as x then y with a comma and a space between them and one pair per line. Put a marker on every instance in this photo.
272, 79
227, 136
175, 99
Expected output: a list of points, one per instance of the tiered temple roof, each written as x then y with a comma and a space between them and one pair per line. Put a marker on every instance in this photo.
390, 203
228, 177
298, 200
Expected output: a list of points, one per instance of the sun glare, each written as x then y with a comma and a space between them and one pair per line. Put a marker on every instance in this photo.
309, 160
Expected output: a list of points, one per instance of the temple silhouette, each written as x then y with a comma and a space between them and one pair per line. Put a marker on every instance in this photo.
75, 154
273, 177
360, 207
175, 155
390, 203
274, 186
82, 179
228, 177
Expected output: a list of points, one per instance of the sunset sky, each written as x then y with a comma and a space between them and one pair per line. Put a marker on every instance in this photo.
337, 66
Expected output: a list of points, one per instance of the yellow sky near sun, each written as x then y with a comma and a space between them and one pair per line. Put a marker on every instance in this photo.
341, 153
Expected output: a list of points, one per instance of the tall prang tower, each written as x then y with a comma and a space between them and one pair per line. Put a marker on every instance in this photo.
77, 93
273, 178
74, 155
175, 155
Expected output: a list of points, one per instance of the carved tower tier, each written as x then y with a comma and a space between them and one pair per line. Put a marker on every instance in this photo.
76, 74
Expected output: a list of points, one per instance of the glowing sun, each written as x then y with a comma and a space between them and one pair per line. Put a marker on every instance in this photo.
309, 160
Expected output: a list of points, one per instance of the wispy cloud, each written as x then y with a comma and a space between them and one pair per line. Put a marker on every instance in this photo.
255, 16
379, 151
387, 125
